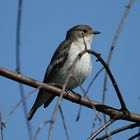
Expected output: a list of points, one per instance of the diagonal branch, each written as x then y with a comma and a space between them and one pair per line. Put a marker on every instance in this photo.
101, 129
110, 111
116, 36
111, 77
123, 106
129, 126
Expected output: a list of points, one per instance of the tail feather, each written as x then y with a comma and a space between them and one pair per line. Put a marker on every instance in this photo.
31, 113
48, 101
42, 98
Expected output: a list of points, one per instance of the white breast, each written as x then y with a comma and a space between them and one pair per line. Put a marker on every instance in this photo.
83, 66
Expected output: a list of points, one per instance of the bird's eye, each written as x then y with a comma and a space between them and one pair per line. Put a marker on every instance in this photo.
85, 31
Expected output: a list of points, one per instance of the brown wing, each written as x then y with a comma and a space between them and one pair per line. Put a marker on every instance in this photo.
59, 58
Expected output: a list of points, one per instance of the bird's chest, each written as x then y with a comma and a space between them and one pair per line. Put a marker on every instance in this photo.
83, 65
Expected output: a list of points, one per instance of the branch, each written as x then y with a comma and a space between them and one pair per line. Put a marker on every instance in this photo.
64, 122
130, 126
18, 65
113, 45
101, 129
111, 78
41, 126
2, 125
110, 111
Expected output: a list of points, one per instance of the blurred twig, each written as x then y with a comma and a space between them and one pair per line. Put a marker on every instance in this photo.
18, 67
44, 123
2, 125
101, 129
41, 126
130, 126
64, 123
115, 39
94, 109
18, 104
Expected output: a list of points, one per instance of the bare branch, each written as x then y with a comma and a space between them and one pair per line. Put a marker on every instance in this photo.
69, 96
130, 126
111, 78
41, 126
2, 125
18, 68
115, 39
101, 129
18, 104
64, 123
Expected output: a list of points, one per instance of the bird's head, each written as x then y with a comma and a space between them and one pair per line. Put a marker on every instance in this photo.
81, 31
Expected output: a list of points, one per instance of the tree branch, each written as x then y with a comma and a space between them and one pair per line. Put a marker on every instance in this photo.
118, 130
110, 111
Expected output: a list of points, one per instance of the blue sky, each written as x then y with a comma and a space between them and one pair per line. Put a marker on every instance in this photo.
44, 26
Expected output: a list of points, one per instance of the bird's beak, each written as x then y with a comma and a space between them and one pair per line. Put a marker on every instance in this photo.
96, 32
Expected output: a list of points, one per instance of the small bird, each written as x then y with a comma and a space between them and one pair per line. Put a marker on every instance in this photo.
78, 38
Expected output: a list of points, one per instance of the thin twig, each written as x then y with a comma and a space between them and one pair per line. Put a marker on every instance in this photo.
130, 126
102, 123
111, 78
2, 125
18, 67
123, 105
64, 123
101, 129
94, 109
115, 39
56, 109
85, 92
41, 126
18, 104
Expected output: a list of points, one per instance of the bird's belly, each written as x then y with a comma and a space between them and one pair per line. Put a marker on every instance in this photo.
80, 72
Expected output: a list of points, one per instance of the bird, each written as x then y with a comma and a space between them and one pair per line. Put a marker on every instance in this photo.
78, 38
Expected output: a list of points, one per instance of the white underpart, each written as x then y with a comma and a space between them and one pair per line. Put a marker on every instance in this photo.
82, 68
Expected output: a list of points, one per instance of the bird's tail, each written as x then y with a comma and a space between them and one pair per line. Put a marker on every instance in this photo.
31, 113
42, 98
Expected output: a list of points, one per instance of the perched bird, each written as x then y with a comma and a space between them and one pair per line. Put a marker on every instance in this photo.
78, 38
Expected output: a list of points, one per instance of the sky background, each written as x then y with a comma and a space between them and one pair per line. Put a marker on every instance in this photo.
44, 26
